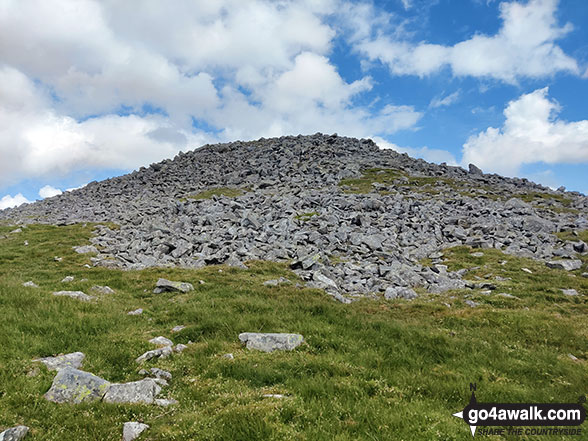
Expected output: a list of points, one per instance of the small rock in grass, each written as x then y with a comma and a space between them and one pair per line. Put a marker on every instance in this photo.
573, 357
569, 292
161, 341
18, 230
58, 259
164, 402
132, 430
527, 270
178, 328
269, 342
68, 279
279, 396
179, 348
164, 285
26, 243
102, 289
160, 373
507, 295
136, 312
156, 353
30, 284
229, 356
79, 295
471, 303
14, 434
135, 392
73, 360
477, 254
85, 249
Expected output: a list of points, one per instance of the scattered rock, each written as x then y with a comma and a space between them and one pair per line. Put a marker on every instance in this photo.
18, 230
178, 328
136, 312
276, 282
164, 285
102, 289
471, 303
132, 430
278, 396
568, 265
229, 356
399, 292
143, 392
477, 254
569, 292
271, 342
68, 279
79, 295
164, 352
160, 373
507, 295
74, 386
58, 259
179, 348
30, 284
527, 270
164, 402
14, 434
573, 357
73, 360
86, 249
161, 341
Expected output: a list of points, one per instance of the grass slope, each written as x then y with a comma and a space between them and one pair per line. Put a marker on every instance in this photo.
373, 370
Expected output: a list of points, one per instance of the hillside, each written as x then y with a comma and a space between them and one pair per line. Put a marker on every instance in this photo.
406, 280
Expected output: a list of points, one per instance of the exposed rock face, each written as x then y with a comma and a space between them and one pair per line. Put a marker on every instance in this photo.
75, 386
295, 208
271, 342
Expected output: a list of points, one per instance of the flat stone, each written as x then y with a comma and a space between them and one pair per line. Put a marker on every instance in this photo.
164, 285
568, 265
30, 284
178, 328
268, 342
136, 392
68, 279
73, 360
569, 292
399, 292
132, 430
161, 341
102, 289
74, 386
86, 249
14, 434
136, 312
79, 295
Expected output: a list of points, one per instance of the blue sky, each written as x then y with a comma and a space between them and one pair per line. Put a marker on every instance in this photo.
92, 89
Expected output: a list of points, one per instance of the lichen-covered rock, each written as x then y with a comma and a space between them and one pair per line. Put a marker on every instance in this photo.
144, 392
268, 342
164, 285
78, 295
74, 386
14, 434
73, 360
132, 430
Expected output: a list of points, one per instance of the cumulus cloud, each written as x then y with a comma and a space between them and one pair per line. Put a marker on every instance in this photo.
13, 201
432, 155
523, 47
531, 133
48, 191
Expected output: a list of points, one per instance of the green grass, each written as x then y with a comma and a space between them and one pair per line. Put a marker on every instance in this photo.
304, 217
229, 192
369, 177
373, 370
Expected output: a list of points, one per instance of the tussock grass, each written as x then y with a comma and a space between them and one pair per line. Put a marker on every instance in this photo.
368, 371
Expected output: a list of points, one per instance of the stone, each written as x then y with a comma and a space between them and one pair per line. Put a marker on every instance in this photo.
79, 295
18, 230
136, 392
477, 254
229, 356
164, 352
507, 295
568, 265
138, 311
323, 281
160, 373
475, 170
164, 285
74, 386
569, 292
86, 249
30, 284
180, 348
161, 341
276, 282
102, 289
132, 430
14, 434
527, 270
471, 303
399, 292
178, 328
68, 279
278, 396
269, 342
165, 402
73, 360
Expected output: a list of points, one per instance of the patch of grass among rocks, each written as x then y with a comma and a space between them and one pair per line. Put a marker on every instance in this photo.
374, 369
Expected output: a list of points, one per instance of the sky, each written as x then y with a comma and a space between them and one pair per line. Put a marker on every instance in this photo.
91, 89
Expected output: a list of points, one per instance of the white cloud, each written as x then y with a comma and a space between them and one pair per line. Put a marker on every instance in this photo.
13, 201
440, 101
432, 155
48, 191
523, 47
531, 133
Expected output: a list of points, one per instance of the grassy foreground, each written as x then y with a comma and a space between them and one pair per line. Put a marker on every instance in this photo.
373, 370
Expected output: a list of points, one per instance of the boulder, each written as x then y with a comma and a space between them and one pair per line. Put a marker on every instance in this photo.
79, 295
14, 434
269, 342
164, 285
73, 360
74, 386
132, 430
568, 265
399, 292
136, 392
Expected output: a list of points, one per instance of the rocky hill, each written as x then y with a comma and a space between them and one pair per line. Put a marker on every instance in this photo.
351, 218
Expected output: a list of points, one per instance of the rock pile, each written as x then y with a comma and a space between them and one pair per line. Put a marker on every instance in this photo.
296, 199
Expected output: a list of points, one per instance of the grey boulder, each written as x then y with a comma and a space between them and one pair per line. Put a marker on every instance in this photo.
136, 392
102, 289
568, 265
399, 292
73, 360
74, 386
271, 341
164, 285
132, 430
14, 434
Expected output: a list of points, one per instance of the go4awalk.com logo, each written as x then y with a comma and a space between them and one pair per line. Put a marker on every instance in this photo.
540, 418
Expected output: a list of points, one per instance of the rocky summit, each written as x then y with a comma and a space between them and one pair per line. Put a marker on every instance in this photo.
350, 218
